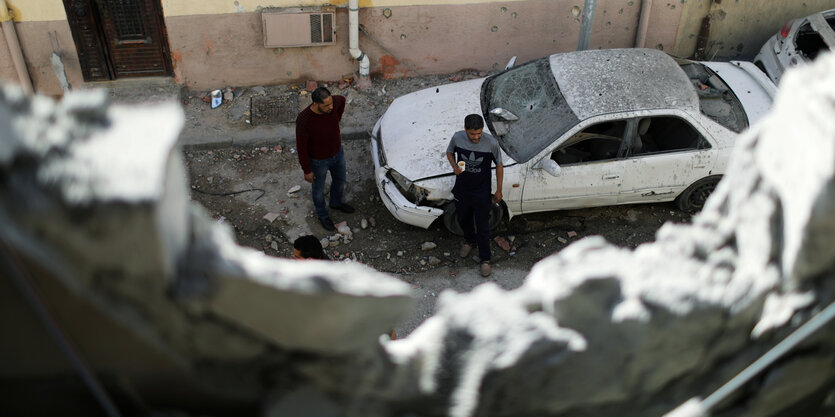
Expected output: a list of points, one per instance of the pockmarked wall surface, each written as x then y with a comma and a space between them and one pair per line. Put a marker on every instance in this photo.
736, 29
219, 43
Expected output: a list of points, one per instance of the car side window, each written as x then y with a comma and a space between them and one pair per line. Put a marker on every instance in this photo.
665, 134
598, 142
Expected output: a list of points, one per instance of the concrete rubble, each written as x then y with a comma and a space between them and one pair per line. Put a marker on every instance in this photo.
157, 297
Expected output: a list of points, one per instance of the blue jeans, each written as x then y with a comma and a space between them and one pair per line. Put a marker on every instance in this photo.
320, 168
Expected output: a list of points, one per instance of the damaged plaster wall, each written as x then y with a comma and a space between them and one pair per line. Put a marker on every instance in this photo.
736, 29
95, 217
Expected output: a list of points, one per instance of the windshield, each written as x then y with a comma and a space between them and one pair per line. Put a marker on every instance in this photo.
530, 93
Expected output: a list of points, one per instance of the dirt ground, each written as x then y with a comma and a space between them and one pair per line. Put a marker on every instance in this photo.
248, 187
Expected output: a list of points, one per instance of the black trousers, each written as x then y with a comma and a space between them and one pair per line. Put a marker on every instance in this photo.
474, 219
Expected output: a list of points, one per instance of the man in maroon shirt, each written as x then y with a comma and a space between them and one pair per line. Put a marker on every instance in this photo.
319, 145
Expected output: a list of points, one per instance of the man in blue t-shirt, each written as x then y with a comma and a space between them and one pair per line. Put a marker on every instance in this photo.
478, 150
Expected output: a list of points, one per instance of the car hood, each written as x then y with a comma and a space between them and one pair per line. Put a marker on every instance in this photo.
417, 127
753, 88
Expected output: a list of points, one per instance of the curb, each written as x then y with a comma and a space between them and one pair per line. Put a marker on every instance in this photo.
280, 135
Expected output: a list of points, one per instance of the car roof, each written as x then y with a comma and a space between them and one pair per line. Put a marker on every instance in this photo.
605, 81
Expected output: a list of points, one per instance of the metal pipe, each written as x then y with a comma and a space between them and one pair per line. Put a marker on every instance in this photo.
643, 24
586, 24
353, 41
14, 48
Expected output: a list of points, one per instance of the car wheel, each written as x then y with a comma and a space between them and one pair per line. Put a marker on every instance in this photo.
450, 218
694, 197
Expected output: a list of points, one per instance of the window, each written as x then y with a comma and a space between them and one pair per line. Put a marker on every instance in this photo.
529, 92
598, 142
809, 42
666, 134
716, 100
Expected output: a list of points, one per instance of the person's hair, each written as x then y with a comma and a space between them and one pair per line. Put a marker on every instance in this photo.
473, 121
320, 94
309, 247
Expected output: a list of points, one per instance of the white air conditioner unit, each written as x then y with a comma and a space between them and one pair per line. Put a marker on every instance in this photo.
298, 27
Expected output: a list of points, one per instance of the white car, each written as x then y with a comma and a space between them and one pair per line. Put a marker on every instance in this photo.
800, 40
577, 129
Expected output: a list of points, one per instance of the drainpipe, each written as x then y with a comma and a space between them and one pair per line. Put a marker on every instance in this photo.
643, 24
586, 25
14, 48
353, 44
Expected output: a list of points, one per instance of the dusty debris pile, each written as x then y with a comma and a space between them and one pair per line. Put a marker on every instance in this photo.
101, 241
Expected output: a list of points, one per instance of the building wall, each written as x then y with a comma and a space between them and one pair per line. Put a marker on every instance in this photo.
35, 21
214, 46
738, 28
217, 43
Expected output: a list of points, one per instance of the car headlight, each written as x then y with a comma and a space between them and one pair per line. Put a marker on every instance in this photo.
415, 194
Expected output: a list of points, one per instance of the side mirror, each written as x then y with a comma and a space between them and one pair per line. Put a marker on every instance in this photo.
550, 166
503, 114
511, 63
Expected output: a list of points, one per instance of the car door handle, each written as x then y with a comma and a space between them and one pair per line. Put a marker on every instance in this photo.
610, 176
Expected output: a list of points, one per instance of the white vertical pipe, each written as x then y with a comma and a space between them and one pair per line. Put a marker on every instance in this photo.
353, 38
14, 48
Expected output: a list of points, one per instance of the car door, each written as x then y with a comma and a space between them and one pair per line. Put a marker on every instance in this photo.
665, 154
591, 167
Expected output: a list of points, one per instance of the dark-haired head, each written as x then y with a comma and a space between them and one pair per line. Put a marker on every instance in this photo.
308, 247
320, 94
473, 122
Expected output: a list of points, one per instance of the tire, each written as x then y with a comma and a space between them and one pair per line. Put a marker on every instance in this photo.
694, 197
450, 218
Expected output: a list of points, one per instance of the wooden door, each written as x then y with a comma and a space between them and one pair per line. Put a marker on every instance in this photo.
119, 38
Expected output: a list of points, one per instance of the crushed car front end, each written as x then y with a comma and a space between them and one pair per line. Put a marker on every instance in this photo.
402, 197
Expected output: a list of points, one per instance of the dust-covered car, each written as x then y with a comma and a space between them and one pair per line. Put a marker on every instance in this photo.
577, 129
800, 40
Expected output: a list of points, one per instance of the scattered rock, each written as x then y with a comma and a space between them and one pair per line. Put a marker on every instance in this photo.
428, 246
334, 237
562, 240
502, 243
343, 228
455, 78
572, 233
270, 217
400, 253
294, 189
364, 223
274, 245
268, 238
310, 86
422, 262
372, 222
324, 242
433, 261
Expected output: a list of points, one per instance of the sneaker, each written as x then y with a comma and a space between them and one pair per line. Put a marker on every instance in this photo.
344, 207
465, 250
327, 223
486, 269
